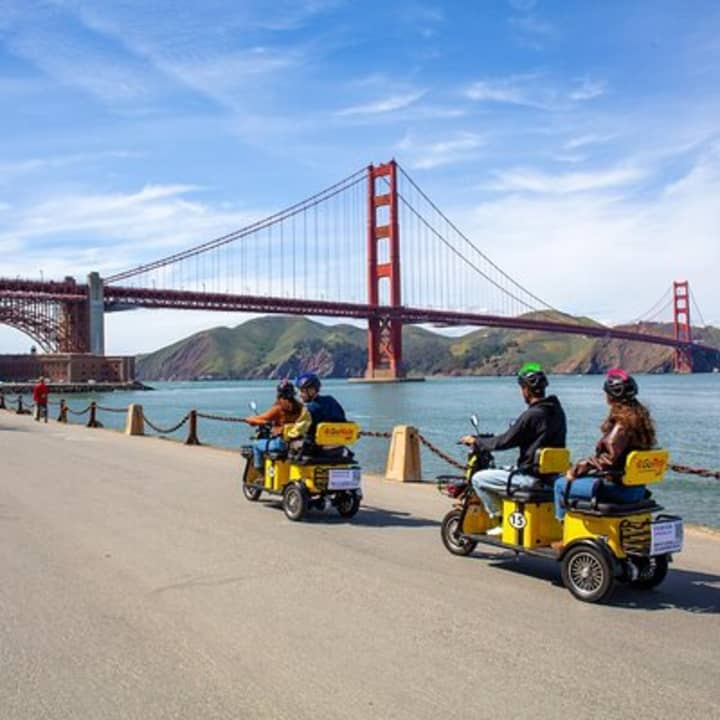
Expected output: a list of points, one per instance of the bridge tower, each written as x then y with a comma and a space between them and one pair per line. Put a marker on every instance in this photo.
383, 238
683, 331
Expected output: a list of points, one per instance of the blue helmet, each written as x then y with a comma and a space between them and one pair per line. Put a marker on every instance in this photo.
307, 380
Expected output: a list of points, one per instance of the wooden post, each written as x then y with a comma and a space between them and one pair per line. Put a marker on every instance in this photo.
403, 463
192, 438
62, 417
135, 424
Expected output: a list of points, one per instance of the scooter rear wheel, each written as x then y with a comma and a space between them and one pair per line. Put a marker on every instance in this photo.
452, 537
652, 575
348, 504
587, 573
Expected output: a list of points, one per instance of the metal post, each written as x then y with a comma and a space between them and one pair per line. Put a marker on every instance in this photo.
62, 417
92, 422
192, 438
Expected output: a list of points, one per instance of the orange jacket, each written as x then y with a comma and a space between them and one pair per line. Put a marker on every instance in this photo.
275, 415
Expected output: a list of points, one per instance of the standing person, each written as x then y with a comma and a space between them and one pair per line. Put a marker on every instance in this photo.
40, 399
286, 410
322, 408
627, 427
541, 425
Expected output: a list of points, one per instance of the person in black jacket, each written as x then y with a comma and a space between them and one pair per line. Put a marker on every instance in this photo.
541, 425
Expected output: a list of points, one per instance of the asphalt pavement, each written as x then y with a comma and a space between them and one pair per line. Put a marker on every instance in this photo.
137, 582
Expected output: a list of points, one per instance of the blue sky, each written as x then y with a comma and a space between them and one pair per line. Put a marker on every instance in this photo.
577, 143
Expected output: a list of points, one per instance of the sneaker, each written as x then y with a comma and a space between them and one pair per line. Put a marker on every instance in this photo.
494, 531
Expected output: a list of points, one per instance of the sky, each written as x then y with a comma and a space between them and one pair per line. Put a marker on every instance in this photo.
576, 143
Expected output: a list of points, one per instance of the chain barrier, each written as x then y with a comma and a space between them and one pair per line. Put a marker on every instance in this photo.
437, 451
702, 472
383, 434
221, 418
78, 412
111, 409
165, 431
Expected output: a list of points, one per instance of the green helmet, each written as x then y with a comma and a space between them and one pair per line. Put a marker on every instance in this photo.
532, 376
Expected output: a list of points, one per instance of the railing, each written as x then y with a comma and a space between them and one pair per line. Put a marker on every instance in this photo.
192, 416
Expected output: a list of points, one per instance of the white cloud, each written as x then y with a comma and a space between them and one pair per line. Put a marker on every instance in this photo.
108, 232
604, 255
533, 90
538, 182
384, 105
588, 89
584, 140
458, 148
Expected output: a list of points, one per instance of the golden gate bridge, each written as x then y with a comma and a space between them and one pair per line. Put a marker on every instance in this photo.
373, 247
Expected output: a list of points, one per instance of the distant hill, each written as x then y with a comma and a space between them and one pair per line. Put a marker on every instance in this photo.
278, 346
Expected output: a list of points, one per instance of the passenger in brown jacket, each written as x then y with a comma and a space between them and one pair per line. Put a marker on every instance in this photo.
627, 427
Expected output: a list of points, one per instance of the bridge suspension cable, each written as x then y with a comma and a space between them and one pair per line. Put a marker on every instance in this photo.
654, 312
481, 264
266, 223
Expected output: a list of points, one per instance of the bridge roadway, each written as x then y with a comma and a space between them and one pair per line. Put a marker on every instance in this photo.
136, 582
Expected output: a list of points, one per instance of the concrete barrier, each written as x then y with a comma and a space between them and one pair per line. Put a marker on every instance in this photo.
403, 463
135, 423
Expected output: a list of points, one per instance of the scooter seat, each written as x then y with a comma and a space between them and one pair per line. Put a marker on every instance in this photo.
278, 455
589, 507
540, 494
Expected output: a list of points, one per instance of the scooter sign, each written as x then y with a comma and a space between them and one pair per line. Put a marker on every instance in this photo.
517, 520
344, 479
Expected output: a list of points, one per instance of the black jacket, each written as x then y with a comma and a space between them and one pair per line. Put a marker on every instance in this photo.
541, 425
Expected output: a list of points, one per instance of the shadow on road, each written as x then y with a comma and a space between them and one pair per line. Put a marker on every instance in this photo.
367, 515
694, 592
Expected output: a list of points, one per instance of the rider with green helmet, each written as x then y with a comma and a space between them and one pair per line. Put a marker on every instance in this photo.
541, 425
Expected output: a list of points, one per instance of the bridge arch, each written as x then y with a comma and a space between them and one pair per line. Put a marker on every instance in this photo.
43, 331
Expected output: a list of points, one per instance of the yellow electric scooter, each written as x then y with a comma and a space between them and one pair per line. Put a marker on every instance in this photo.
328, 475
600, 542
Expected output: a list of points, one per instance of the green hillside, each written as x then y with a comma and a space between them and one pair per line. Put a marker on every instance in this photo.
277, 346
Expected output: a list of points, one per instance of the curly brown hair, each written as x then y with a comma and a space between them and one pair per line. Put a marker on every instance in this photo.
636, 420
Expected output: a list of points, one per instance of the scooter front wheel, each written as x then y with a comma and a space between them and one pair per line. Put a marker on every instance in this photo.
452, 536
251, 492
295, 501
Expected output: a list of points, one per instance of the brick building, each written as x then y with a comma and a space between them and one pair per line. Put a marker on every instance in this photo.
67, 367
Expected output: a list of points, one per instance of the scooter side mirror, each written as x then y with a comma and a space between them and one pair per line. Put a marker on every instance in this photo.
253, 406
475, 422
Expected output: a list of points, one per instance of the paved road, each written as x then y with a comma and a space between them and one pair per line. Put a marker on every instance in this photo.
136, 582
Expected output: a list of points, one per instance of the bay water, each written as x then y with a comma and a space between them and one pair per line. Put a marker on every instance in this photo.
686, 409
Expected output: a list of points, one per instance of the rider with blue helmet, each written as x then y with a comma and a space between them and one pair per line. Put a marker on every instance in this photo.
322, 408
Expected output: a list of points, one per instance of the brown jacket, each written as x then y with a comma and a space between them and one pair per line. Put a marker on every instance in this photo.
610, 453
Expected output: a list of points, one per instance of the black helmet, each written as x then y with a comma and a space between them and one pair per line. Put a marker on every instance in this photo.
532, 376
307, 381
286, 390
619, 385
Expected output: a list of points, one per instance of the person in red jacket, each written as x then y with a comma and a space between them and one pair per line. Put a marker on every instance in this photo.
40, 398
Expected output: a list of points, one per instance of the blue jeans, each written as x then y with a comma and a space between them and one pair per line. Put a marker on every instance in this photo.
260, 447
488, 483
581, 488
